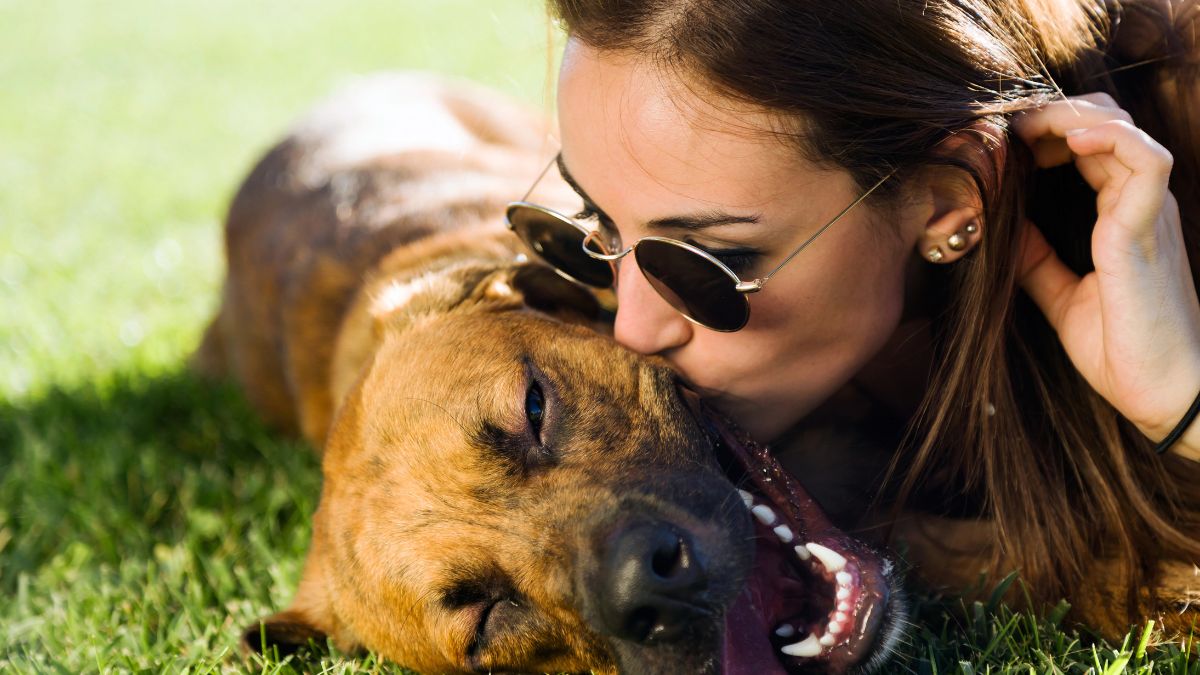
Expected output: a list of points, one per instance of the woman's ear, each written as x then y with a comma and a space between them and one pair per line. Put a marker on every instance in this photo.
949, 235
953, 223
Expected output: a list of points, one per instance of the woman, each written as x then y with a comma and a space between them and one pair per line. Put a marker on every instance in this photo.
744, 128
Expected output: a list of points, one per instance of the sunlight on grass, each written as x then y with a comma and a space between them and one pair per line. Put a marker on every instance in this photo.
126, 126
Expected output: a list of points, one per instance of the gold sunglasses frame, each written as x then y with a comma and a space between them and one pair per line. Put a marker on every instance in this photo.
742, 287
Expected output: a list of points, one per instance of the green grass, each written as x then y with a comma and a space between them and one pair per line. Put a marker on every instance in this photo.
144, 516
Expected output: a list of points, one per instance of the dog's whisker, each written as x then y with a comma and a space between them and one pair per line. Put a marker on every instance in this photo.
440, 407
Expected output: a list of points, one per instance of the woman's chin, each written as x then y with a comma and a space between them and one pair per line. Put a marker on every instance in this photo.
763, 422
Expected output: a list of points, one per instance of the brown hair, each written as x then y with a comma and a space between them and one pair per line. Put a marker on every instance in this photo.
879, 85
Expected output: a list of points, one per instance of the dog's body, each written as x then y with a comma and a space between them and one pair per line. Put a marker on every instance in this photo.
376, 305
347, 188
505, 489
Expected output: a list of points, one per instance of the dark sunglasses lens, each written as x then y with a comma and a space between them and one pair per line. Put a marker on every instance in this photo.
693, 285
560, 244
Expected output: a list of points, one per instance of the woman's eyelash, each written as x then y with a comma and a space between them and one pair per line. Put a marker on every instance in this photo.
588, 213
740, 260
604, 225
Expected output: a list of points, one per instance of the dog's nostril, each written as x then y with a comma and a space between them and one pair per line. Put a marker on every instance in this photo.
641, 623
652, 587
668, 558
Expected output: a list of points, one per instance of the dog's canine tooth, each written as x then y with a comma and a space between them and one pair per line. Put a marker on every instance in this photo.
764, 514
785, 630
802, 552
809, 646
832, 560
784, 533
747, 498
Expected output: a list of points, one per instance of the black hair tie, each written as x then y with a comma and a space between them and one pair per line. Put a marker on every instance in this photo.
1184, 423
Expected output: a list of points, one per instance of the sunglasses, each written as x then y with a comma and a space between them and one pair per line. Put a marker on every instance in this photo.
695, 283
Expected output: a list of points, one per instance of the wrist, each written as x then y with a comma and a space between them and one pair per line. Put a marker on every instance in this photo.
1182, 437
1188, 445
1175, 425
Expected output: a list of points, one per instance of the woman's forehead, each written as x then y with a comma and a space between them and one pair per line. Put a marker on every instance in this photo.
627, 121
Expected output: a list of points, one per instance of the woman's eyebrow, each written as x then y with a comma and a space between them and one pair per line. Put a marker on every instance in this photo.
697, 221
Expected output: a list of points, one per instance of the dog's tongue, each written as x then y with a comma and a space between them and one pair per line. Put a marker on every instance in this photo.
747, 650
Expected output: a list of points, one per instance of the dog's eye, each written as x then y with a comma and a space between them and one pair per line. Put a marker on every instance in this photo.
535, 404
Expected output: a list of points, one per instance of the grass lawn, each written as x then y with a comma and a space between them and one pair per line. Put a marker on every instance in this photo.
144, 516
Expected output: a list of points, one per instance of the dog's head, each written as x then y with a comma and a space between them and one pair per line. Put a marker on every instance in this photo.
506, 490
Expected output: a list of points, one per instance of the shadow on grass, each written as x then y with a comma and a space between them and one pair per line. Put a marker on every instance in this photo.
126, 463
145, 522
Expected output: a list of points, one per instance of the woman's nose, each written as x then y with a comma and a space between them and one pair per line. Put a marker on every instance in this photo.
645, 322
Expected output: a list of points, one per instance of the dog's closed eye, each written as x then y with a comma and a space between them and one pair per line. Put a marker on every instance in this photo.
494, 620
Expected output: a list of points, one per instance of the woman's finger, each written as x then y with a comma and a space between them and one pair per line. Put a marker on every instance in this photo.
1096, 171
1057, 118
1050, 150
1148, 164
1043, 276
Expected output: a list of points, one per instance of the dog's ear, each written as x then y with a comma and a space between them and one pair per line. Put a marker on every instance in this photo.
539, 287
284, 633
309, 621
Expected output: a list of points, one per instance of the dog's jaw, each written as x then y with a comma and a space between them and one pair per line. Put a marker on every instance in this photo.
818, 600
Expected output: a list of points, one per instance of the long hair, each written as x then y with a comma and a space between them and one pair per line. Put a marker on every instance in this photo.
877, 85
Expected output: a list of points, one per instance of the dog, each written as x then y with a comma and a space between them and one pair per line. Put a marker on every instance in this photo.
505, 487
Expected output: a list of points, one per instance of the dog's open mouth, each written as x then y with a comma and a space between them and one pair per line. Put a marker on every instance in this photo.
817, 600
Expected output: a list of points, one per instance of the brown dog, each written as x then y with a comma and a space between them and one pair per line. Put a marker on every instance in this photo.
506, 489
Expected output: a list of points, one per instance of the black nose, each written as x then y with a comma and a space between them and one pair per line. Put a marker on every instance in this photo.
652, 584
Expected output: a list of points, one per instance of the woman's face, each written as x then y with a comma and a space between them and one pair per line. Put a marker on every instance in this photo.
644, 147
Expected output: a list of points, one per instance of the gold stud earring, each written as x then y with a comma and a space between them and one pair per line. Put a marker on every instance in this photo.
972, 227
935, 254
956, 241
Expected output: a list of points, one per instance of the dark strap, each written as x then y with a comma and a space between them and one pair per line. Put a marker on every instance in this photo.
1184, 423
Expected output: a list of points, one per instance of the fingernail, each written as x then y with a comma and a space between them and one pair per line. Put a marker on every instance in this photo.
1074, 132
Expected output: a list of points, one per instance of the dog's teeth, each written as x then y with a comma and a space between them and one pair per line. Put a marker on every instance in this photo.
843, 593
747, 498
832, 560
841, 617
809, 646
834, 628
843, 606
827, 640
784, 533
802, 552
844, 578
764, 514
785, 630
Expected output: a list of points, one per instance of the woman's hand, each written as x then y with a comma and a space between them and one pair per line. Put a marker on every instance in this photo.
1131, 327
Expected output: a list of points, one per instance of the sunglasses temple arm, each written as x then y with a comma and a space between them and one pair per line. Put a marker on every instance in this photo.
824, 227
553, 161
